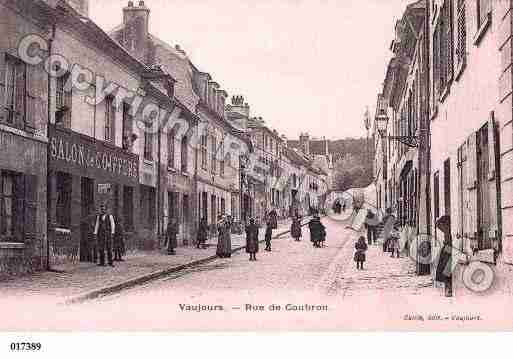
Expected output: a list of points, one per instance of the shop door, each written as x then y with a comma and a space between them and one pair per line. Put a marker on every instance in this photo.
87, 252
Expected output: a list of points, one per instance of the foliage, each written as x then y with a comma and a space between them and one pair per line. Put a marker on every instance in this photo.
350, 172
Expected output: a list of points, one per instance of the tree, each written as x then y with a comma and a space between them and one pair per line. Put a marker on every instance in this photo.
349, 172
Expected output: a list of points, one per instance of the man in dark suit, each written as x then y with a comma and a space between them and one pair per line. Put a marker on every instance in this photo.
104, 230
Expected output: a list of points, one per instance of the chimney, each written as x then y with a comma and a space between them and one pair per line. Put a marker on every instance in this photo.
136, 21
304, 143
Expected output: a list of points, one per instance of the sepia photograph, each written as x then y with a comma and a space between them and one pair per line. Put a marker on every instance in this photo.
230, 166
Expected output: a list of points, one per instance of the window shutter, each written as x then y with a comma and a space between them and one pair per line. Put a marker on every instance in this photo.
449, 39
18, 207
461, 47
472, 185
3, 115
20, 83
493, 178
68, 97
30, 214
32, 97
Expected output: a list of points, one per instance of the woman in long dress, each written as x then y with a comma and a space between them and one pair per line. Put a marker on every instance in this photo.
224, 242
295, 229
252, 240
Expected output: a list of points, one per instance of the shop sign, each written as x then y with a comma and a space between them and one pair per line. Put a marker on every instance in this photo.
92, 158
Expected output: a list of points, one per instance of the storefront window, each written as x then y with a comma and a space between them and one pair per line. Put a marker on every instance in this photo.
148, 202
11, 207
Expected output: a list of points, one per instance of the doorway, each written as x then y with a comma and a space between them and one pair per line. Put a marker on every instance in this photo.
87, 250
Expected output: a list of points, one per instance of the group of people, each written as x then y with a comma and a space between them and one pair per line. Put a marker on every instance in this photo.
391, 243
338, 208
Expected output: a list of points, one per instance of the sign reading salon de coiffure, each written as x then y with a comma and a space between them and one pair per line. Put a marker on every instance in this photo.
83, 156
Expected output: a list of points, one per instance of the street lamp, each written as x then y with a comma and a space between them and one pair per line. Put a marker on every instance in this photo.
367, 123
382, 124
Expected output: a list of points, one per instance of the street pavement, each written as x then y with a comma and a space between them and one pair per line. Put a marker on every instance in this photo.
295, 286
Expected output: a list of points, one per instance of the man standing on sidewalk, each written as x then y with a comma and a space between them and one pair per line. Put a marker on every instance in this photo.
104, 230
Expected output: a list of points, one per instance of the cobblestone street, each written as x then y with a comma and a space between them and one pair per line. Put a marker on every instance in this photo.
314, 287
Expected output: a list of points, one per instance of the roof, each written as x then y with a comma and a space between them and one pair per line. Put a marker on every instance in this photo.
176, 63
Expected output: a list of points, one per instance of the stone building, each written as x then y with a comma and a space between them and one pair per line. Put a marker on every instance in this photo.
23, 141
471, 123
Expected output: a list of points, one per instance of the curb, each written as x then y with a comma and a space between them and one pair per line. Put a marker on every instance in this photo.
130, 283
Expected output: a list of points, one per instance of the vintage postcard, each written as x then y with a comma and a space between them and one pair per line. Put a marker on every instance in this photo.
232, 165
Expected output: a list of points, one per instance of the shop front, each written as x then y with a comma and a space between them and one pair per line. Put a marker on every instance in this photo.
83, 174
22, 204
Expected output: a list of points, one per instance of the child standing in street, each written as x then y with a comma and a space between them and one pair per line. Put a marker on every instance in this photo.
359, 255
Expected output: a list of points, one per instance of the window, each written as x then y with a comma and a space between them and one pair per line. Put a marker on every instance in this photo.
222, 162
171, 148
63, 205
9, 206
148, 142
63, 101
461, 40
204, 151
213, 155
128, 122
184, 154
443, 50
128, 207
15, 92
110, 115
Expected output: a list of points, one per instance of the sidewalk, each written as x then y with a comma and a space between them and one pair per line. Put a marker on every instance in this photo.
382, 274
87, 280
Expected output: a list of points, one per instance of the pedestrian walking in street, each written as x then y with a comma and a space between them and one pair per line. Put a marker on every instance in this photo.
224, 241
268, 236
393, 241
370, 224
104, 230
252, 240
316, 231
119, 240
295, 228
359, 255
202, 235
389, 223
172, 236
273, 218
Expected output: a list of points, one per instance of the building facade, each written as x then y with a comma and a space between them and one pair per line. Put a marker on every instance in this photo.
23, 142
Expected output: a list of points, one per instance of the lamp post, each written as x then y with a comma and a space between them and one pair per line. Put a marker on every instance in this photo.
366, 121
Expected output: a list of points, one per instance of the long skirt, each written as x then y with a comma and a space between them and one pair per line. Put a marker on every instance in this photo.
224, 245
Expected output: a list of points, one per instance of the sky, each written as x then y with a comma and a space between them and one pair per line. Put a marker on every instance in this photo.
302, 65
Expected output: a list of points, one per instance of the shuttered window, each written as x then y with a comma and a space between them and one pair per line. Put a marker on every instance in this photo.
461, 44
148, 142
110, 116
14, 89
63, 101
171, 138
204, 154
213, 155
128, 122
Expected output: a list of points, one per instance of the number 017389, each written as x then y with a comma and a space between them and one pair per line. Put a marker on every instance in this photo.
25, 346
